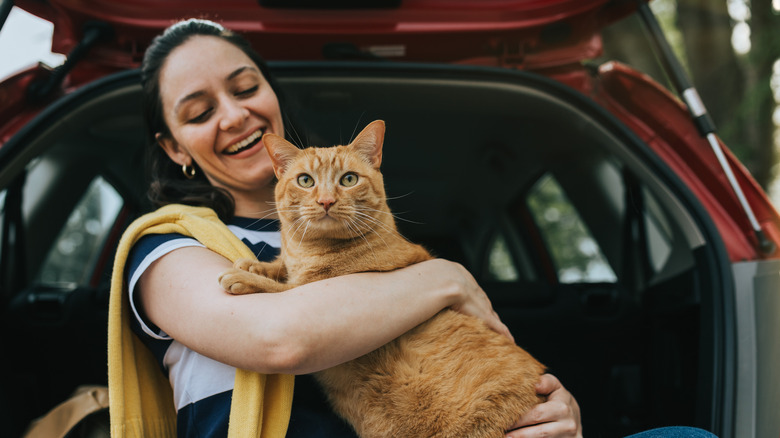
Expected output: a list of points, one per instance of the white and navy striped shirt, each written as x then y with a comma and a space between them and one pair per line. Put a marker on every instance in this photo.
203, 387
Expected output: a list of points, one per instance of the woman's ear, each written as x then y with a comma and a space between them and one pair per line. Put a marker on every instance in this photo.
176, 153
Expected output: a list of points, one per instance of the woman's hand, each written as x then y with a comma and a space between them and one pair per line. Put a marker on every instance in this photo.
559, 416
472, 299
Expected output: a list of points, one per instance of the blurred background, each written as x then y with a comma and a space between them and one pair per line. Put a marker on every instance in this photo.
731, 49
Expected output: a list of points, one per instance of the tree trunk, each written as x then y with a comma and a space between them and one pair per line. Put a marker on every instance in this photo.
759, 102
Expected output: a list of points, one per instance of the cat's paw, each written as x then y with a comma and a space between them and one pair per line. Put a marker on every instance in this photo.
236, 282
249, 265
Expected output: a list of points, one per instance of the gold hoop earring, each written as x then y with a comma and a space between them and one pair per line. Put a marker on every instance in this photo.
188, 173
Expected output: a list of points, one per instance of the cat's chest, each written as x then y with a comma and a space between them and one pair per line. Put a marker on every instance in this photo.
312, 267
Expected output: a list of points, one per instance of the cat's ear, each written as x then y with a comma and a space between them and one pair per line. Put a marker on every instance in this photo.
281, 151
369, 142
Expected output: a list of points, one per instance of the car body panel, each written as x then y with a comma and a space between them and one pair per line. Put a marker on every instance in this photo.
758, 387
534, 33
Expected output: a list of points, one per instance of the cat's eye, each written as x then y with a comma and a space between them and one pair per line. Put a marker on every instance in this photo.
305, 181
349, 179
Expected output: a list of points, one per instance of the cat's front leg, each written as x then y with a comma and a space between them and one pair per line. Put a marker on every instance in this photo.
275, 270
241, 282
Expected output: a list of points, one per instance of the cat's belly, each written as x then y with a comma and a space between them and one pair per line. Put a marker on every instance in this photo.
451, 376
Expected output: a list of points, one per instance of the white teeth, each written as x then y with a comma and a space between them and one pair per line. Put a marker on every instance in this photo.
245, 142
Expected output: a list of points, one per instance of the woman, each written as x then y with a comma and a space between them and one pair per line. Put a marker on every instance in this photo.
209, 99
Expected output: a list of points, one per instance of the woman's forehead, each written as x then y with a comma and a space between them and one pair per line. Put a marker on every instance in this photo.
199, 63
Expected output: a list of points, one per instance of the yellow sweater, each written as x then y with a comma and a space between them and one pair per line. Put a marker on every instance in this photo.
140, 396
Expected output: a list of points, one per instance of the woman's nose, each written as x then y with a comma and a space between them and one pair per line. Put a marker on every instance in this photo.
233, 114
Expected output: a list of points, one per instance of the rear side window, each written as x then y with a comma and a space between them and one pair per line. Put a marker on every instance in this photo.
575, 253
74, 254
501, 264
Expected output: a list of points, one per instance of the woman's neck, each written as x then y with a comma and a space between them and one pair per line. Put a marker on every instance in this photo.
256, 205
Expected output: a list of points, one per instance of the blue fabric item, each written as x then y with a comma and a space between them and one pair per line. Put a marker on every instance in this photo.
674, 432
206, 418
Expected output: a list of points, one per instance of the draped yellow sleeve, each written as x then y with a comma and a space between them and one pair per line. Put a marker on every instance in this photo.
140, 396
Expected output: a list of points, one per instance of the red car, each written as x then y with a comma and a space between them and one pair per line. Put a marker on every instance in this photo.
618, 238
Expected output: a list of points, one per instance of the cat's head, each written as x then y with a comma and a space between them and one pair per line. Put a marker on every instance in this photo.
335, 192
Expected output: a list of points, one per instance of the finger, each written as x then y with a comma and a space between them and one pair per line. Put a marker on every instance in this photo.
549, 411
548, 384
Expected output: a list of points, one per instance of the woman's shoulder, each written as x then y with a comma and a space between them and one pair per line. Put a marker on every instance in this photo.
150, 248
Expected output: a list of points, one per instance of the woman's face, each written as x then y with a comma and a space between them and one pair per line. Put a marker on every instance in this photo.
218, 105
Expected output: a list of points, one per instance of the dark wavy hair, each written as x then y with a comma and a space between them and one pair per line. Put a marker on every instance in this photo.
168, 185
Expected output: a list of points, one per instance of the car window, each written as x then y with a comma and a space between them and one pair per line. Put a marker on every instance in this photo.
72, 257
501, 264
575, 253
659, 232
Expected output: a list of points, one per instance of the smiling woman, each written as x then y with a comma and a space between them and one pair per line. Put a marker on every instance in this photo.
216, 112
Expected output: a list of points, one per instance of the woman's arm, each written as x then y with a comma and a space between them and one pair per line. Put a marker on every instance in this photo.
308, 328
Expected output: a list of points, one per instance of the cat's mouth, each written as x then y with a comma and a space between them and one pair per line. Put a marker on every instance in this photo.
246, 143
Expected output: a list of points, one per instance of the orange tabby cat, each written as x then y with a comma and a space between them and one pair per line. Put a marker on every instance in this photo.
449, 377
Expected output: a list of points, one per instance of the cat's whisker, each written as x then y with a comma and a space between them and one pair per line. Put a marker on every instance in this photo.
394, 215
266, 216
390, 198
372, 229
370, 219
299, 222
351, 224
294, 134
354, 130
304, 233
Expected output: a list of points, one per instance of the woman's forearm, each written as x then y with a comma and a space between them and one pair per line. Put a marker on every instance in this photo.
322, 324
305, 329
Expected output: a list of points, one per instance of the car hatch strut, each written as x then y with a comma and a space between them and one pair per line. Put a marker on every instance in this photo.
94, 32
699, 113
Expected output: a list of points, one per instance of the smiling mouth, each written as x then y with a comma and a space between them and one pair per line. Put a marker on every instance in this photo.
245, 143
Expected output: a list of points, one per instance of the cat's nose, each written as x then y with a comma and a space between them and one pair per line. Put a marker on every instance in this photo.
326, 203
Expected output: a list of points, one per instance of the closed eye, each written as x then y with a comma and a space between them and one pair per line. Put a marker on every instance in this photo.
249, 91
202, 117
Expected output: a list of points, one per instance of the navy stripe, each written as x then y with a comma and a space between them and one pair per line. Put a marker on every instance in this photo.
311, 415
206, 418
263, 251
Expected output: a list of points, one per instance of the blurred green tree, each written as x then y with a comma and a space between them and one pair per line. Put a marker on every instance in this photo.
734, 86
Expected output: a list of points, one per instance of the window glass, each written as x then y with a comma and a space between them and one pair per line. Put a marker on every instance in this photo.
501, 265
659, 232
72, 258
575, 253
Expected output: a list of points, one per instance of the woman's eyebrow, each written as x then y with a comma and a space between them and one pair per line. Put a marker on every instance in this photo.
187, 98
240, 70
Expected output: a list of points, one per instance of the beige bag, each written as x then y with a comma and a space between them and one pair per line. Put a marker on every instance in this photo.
84, 414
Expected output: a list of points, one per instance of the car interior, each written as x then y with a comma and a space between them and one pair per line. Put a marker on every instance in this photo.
599, 261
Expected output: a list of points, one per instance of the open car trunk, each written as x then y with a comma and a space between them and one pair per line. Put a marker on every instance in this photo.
600, 261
